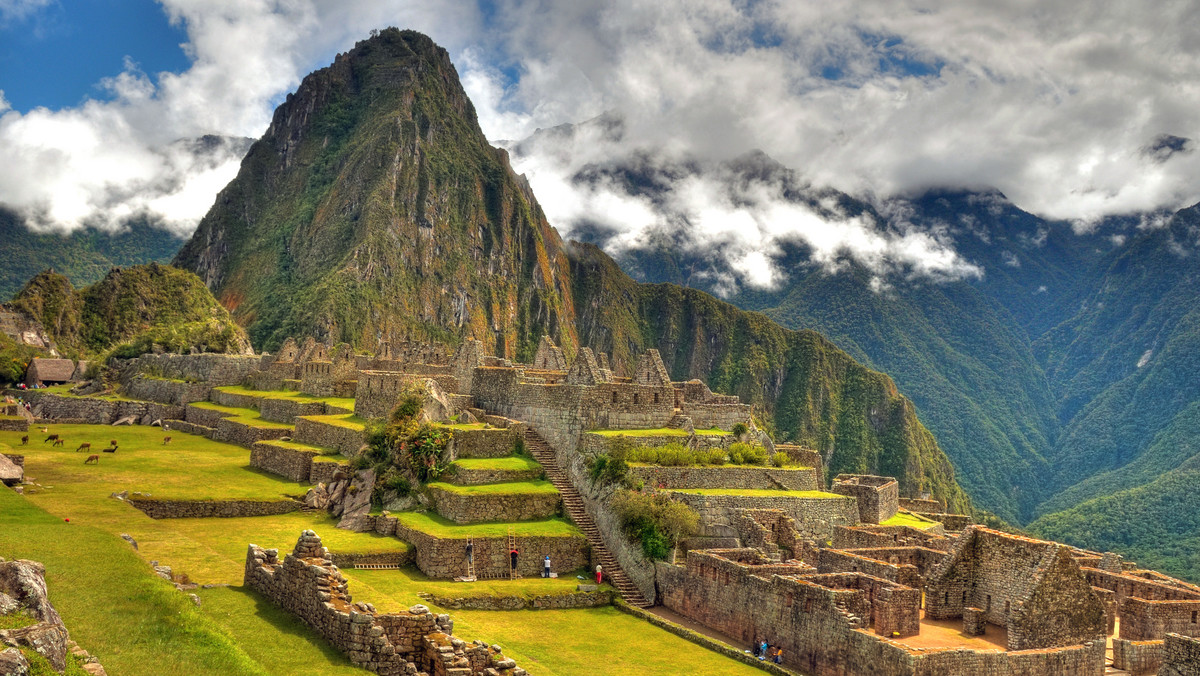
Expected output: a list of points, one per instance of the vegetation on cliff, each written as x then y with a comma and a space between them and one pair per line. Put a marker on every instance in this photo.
130, 311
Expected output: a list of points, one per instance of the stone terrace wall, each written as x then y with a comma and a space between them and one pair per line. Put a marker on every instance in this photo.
594, 599
322, 471
1181, 657
485, 443
185, 427
241, 434
446, 558
204, 509
13, 424
377, 391
345, 440
290, 463
213, 369
99, 411
286, 411
814, 517
951, 522
1143, 620
921, 505
837, 561
475, 477
1126, 586
1139, 658
763, 478
475, 508
177, 392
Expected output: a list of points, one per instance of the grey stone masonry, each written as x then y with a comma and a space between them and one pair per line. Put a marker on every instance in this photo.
465, 507
729, 476
204, 509
878, 496
814, 517
1181, 656
307, 584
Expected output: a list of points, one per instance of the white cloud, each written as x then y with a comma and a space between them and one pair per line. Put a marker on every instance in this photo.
15, 10
1055, 107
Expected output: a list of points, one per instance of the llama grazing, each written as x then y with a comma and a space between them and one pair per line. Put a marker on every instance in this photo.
92, 459
86, 444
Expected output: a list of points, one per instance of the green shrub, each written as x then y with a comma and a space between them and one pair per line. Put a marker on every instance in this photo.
717, 457
609, 469
674, 455
518, 447
654, 520
407, 408
739, 430
741, 453
780, 459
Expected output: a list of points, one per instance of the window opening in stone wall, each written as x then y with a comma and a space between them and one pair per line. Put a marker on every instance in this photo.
656, 397
989, 603
635, 399
946, 598
1193, 617
614, 397
964, 597
808, 605
1006, 606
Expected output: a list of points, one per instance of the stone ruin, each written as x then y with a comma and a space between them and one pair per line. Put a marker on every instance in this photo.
308, 585
23, 590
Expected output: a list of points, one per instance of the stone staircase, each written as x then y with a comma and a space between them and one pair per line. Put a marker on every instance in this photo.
573, 506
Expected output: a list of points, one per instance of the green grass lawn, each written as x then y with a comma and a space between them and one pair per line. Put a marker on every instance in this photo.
65, 391
428, 522
297, 446
513, 463
466, 426
340, 402
507, 488
401, 587
351, 422
660, 432
246, 416
909, 519
758, 493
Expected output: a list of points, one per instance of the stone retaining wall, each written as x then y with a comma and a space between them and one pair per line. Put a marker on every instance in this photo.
322, 471
479, 507
190, 428
594, 599
241, 434
1143, 620
13, 424
290, 463
18, 460
763, 478
202, 416
286, 411
235, 399
815, 517
485, 443
476, 477
307, 584
343, 439
203, 509
1139, 658
98, 411
213, 369
177, 392
446, 558
952, 522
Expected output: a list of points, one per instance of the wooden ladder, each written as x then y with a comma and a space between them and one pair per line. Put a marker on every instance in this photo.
470, 563
512, 544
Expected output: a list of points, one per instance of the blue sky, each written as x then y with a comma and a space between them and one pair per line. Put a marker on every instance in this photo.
57, 56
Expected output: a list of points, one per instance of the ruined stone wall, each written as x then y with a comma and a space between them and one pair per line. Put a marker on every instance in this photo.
1127, 586
921, 505
1181, 656
925, 560
762, 478
290, 463
445, 558
479, 507
1143, 620
308, 585
212, 369
878, 497
13, 424
184, 427
837, 561
814, 517
862, 537
204, 509
377, 391
353, 559
18, 460
177, 392
1062, 610
286, 410
1139, 658
344, 440
594, 599
723, 416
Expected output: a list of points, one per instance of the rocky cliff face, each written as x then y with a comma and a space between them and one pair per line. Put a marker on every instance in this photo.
373, 206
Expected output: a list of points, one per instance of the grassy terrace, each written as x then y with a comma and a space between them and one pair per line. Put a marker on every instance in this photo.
297, 446
350, 422
909, 519
246, 416
466, 426
346, 403
235, 631
509, 464
773, 468
759, 493
65, 391
432, 524
505, 488
659, 432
